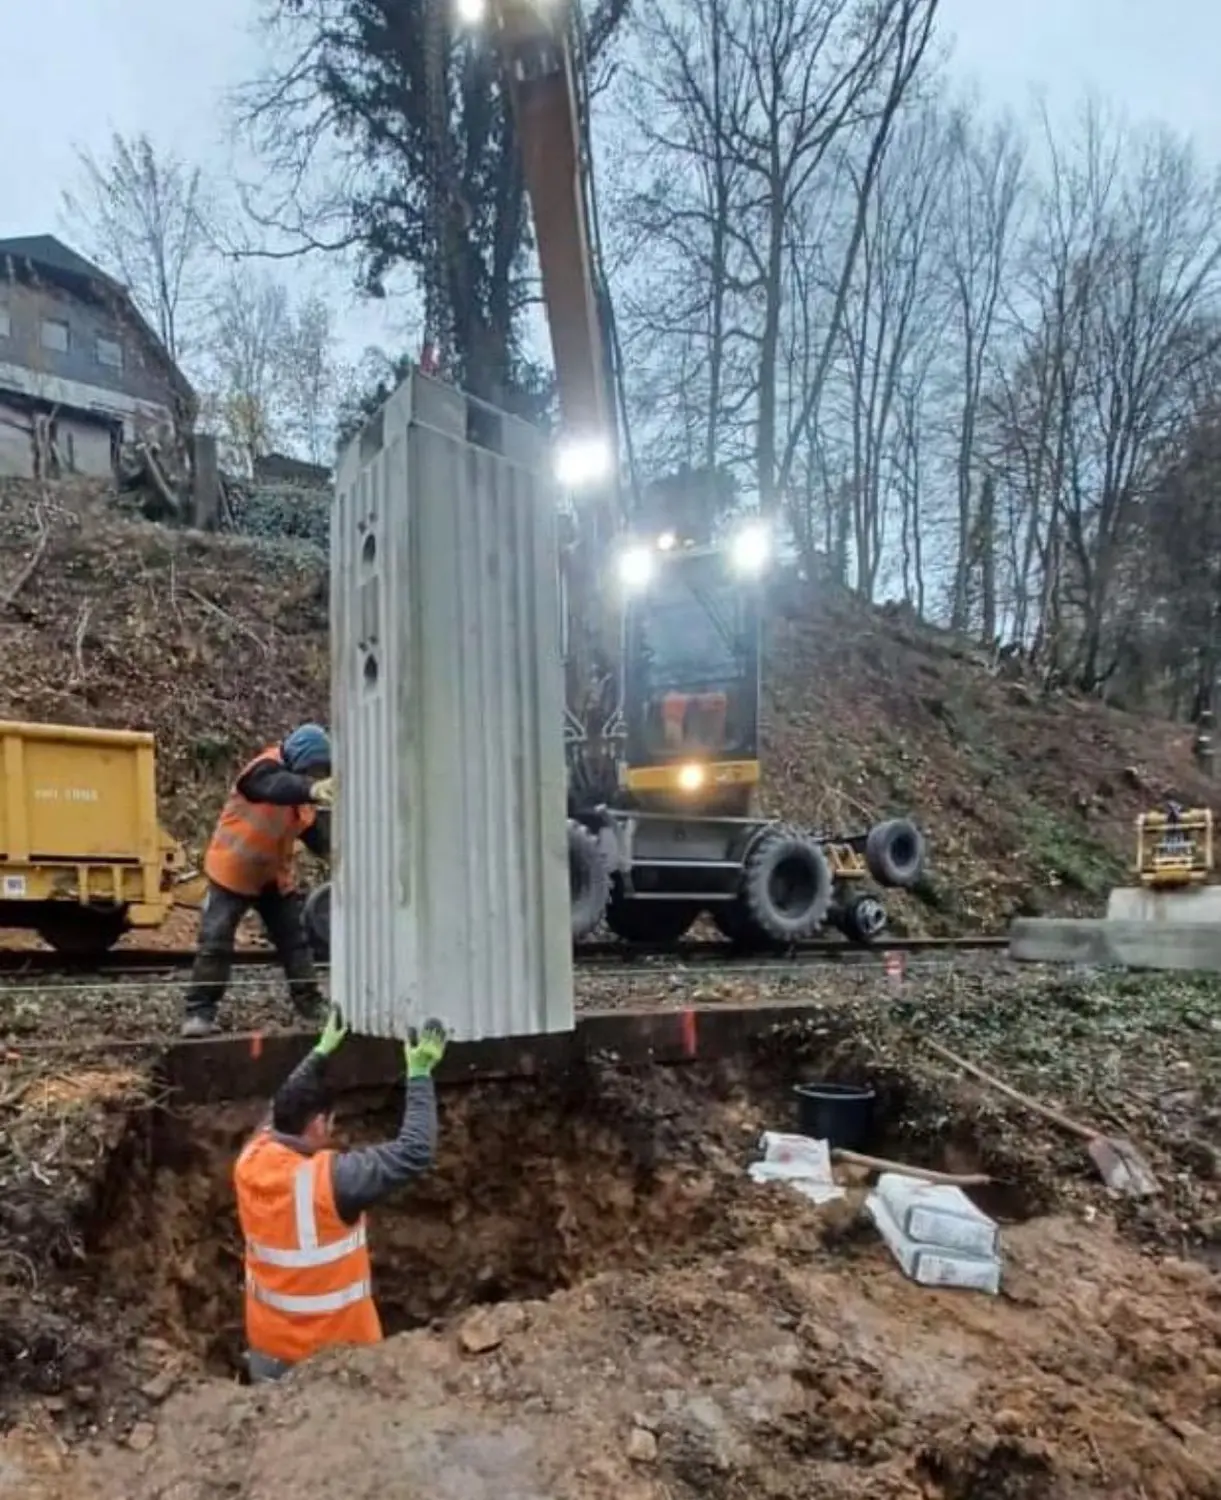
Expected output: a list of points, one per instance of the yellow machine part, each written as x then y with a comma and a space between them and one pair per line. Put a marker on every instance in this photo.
692, 777
846, 862
1174, 851
78, 820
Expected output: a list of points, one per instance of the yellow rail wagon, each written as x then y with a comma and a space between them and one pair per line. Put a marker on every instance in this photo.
83, 856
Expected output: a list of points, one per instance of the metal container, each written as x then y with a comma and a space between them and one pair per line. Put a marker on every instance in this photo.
450, 860
78, 830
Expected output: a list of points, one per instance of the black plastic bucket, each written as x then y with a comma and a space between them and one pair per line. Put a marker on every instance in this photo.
839, 1113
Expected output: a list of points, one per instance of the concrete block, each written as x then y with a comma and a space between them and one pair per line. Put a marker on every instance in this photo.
1182, 946
1193, 903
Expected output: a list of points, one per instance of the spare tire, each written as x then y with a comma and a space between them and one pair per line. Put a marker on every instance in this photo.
316, 914
787, 884
589, 879
894, 852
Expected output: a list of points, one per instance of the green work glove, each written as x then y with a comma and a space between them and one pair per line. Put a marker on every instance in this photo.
424, 1050
332, 1037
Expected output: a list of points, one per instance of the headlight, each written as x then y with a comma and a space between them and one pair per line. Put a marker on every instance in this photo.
690, 778
636, 567
470, 12
583, 461
667, 542
751, 549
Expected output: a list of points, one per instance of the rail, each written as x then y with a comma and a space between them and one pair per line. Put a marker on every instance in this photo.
19, 962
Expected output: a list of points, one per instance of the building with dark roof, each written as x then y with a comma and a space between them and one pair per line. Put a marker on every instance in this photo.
81, 371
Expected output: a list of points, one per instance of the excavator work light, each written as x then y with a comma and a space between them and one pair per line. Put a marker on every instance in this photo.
637, 565
691, 778
751, 550
583, 461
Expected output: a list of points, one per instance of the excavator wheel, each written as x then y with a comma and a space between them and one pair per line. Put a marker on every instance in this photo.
787, 887
589, 879
317, 917
863, 919
649, 921
894, 852
78, 931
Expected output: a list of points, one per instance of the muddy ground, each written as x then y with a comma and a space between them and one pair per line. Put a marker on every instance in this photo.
656, 1326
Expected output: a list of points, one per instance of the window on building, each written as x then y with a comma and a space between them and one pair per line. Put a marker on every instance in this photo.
110, 352
6, 326
55, 335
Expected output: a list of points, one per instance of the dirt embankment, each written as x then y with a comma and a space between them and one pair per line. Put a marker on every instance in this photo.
217, 644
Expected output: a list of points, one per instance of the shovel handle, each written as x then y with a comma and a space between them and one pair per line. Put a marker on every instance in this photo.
1073, 1127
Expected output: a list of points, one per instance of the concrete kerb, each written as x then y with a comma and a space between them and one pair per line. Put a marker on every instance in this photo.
1098, 943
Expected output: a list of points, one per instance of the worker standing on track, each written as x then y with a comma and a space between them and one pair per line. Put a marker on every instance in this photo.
302, 1208
249, 862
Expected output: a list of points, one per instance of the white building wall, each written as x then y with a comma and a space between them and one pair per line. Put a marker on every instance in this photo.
450, 868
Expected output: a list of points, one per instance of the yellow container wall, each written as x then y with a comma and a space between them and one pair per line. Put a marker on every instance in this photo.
76, 794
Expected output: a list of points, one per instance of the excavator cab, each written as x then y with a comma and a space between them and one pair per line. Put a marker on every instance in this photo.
691, 670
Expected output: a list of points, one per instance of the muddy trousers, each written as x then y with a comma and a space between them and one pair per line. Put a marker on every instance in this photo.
280, 914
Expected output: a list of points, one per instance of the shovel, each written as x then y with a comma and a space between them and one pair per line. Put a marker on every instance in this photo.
1119, 1163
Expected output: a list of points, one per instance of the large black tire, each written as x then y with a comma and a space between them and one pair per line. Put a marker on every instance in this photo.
650, 921
81, 930
787, 885
863, 919
316, 915
894, 852
589, 880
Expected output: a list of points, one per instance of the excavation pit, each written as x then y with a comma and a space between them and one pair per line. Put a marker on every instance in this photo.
537, 1187
588, 1286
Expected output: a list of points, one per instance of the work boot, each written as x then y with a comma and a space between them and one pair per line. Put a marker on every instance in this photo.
199, 1024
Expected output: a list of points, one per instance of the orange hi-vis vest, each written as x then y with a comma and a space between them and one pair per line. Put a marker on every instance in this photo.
309, 1282
254, 842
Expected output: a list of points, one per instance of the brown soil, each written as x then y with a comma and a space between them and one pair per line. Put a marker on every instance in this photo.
589, 1299
217, 644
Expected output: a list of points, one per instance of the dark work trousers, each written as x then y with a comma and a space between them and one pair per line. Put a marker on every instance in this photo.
280, 913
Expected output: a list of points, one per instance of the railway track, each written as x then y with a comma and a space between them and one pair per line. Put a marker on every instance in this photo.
20, 962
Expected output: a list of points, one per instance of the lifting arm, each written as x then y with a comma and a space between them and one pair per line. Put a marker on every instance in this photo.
534, 40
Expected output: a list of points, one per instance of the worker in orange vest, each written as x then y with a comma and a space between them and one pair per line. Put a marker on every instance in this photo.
273, 804
302, 1207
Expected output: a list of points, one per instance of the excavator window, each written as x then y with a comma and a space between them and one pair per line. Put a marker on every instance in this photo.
692, 663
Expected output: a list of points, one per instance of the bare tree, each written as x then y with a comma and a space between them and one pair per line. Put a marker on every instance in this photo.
310, 375
252, 329
1122, 281
142, 216
983, 187
764, 128
890, 318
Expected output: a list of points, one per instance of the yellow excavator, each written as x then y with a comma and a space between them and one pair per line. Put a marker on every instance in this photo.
663, 617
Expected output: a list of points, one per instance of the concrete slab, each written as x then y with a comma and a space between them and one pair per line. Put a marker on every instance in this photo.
1182, 946
1194, 903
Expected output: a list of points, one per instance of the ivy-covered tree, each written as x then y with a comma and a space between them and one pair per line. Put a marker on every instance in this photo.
363, 146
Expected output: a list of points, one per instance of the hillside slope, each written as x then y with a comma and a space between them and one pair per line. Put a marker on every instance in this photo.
218, 644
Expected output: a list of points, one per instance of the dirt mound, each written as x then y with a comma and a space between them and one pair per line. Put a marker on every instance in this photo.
217, 643
214, 644
790, 1366
1029, 800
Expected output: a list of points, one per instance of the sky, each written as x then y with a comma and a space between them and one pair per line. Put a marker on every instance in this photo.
74, 71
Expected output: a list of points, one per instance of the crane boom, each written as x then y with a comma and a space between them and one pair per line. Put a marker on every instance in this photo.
536, 48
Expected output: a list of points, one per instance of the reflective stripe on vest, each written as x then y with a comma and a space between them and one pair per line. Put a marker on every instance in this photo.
308, 1253
253, 842
328, 1302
